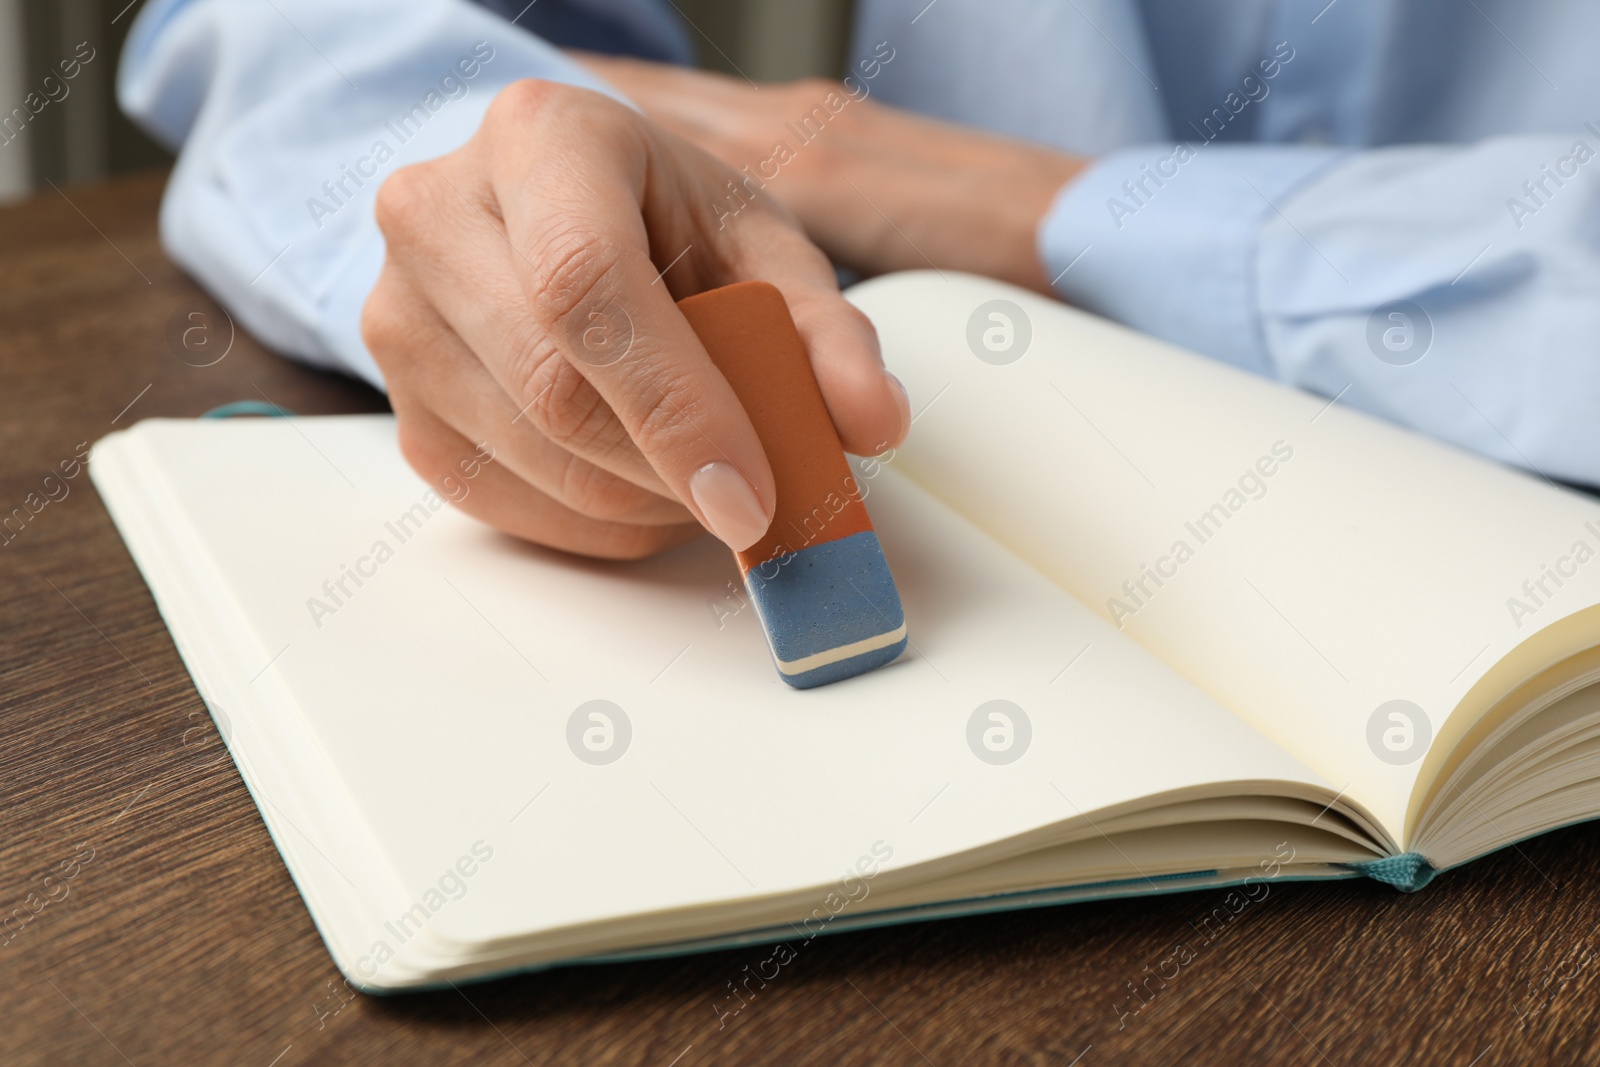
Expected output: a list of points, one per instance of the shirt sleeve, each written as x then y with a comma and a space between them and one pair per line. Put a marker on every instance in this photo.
1450, 289
289, 115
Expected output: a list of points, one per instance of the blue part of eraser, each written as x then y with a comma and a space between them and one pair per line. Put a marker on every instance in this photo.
830, 611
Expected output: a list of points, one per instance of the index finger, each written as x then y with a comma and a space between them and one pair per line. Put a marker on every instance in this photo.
586, 271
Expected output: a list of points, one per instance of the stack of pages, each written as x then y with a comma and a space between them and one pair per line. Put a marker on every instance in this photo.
1171, 627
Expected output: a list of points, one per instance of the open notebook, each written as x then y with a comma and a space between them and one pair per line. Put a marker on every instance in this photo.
1171, 626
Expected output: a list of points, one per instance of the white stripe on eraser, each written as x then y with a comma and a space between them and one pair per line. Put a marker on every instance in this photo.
843, 652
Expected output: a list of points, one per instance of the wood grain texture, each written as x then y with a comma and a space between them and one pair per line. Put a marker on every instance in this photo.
183, 940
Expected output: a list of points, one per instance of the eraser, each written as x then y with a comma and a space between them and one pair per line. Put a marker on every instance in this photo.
818, 579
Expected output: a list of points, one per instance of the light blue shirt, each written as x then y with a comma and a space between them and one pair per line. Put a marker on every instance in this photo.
1391, 202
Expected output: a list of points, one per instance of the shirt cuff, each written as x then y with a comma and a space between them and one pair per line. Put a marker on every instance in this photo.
1164, 238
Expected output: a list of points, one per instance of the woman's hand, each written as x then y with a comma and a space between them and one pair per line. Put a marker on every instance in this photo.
527, 302
877, 188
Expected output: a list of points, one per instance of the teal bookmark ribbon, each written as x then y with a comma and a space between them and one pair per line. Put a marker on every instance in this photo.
1407, 872
246, 407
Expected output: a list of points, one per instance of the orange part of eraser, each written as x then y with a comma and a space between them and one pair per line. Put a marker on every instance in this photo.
819, 580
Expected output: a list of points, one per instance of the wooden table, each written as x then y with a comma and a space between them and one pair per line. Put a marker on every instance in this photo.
181, 938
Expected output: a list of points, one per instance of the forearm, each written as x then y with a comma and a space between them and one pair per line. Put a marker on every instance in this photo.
1288, 261
894, 191
878, 188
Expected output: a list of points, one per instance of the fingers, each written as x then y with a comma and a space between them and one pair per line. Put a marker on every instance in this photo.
443, 225
506, 502
423, 358
527, 309
869, 405
574, 207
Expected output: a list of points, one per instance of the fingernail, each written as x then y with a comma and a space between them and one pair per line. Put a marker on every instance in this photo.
902, 398
730, 505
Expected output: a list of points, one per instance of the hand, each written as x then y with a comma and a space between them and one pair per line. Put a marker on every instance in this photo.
877, 188
527, 302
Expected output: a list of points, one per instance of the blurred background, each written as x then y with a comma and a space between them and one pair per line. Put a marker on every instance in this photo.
83, 136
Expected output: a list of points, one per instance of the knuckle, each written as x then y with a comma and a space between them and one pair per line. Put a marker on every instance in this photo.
573, 270
389, 328
522, 99
853, 318
564, 406
593, 491
404, 198
423, 450
639, 542
801, 251
661, 419
535, 370
378, 330
533, 100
